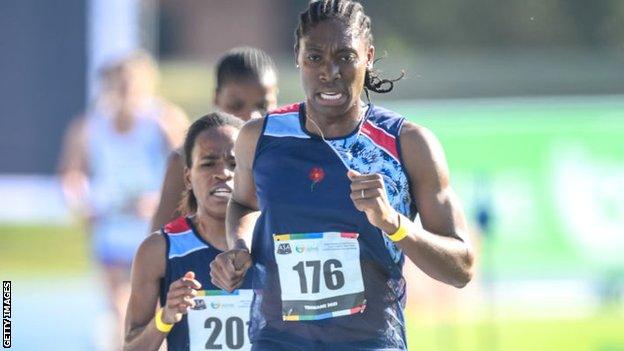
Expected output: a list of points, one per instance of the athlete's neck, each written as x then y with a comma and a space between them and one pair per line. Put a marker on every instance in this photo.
211, 229
334, 126
123, 122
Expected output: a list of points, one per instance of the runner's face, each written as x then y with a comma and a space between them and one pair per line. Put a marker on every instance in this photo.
333, 61
248, 98
212, 170
130, 88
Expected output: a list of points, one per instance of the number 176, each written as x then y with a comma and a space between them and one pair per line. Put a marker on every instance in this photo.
333, 277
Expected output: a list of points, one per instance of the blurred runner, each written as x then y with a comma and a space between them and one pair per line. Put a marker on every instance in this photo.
246, 88
112, 167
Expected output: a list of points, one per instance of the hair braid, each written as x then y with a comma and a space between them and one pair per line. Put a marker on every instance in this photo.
351, 13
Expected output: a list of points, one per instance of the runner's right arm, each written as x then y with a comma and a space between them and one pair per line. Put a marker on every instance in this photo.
243, 209
148, 269
171, 191
173, 123
228, 269
73, 169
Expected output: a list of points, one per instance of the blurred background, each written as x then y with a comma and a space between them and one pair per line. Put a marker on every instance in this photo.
526, 96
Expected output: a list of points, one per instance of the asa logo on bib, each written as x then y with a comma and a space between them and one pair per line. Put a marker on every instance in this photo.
284, 249
199, 305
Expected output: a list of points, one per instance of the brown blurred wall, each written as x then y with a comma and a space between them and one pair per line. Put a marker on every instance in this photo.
197, 29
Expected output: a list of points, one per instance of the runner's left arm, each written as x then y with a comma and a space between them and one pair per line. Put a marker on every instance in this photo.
441, 250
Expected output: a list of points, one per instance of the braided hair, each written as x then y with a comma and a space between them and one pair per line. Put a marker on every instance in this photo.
243, 63
352, 14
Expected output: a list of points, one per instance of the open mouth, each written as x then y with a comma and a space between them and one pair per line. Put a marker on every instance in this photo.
223, 192
330, 98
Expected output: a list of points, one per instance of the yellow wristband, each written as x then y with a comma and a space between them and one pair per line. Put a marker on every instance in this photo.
160, 325
400, 233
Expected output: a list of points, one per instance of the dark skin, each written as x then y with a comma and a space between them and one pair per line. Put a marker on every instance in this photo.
333, 60
245, 99
248, 98
210, 177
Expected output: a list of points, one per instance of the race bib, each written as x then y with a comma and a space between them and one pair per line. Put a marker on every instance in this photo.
320, 275
219, 320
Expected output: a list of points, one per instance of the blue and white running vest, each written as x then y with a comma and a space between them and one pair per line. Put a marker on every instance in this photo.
219, 320
124, 167
323, 275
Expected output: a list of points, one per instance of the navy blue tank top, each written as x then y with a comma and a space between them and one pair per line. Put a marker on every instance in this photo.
188, 251
303, 191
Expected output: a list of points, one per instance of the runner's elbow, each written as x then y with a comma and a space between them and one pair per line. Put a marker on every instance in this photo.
130, 339
465, 271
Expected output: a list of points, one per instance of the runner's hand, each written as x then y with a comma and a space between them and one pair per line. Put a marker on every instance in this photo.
180, 298
368, 194
228, 269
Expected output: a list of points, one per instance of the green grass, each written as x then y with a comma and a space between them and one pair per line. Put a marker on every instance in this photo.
43, 251
595, 333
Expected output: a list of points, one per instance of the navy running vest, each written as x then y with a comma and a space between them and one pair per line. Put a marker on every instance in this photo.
303, 194
187, 251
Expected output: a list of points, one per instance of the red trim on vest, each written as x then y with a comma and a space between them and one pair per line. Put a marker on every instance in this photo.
285, 109
178, 225
380, 137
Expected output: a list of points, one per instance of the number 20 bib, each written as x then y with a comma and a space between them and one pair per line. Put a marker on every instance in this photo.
320, 275
219, 320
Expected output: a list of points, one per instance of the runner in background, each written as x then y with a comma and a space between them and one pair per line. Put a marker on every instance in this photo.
111, 168
246, 88
171, 268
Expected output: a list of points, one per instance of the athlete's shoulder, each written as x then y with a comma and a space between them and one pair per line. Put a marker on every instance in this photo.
172, 122
417, 133
171, 110
250, 132
182, 239
149, 260
177, 226
176, 156
426, 156
286, 109
385, 118
285, 122
383, 127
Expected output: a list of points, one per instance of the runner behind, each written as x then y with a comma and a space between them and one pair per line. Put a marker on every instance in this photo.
246, 88
171, 268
